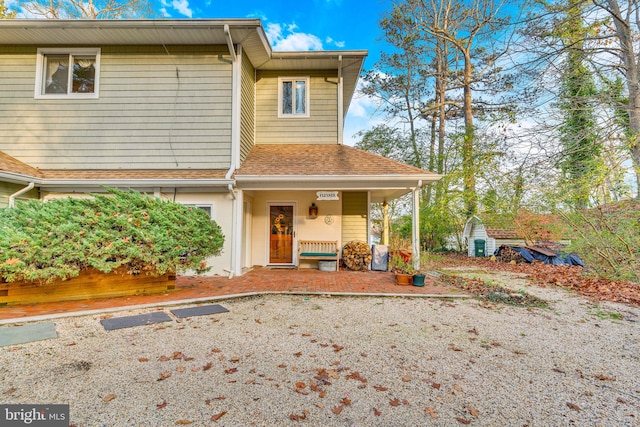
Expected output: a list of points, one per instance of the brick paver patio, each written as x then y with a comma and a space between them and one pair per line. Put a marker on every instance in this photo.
259, 280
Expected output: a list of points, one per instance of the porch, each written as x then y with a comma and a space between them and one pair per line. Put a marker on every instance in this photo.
260, 280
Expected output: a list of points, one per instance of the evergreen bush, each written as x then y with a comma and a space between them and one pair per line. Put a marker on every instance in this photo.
48, 241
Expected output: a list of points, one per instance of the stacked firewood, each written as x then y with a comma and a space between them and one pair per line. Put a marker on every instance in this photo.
506, 254
356, 255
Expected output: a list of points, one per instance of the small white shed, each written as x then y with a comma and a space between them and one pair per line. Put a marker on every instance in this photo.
484, 235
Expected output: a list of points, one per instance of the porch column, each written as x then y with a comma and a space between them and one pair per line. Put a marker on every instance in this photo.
385, 223
416, 227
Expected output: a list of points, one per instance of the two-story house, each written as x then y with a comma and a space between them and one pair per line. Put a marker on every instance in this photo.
202, 112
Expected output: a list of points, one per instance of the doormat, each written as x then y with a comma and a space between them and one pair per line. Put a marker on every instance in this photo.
27, 333
202, 310
139, 320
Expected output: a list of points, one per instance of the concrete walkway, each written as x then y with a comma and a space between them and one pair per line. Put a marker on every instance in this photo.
260, 280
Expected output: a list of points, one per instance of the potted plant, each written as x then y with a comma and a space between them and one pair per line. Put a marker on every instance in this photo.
402, 268
418, 278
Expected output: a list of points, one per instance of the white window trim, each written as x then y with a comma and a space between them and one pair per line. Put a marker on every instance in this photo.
70, 51
307, 114
200, 206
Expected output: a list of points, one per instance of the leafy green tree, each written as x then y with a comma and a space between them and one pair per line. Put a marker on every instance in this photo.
582, 150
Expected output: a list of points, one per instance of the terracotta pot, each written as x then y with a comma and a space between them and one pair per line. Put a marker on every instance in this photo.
403, 279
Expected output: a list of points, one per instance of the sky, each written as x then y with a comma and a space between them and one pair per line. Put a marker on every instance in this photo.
305, 25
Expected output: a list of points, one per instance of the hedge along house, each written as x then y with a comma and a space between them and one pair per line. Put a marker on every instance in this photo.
201, 112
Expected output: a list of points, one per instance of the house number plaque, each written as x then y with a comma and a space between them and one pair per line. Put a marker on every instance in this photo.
327, 195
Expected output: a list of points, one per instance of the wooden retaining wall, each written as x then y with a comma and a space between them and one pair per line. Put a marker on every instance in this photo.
90, 284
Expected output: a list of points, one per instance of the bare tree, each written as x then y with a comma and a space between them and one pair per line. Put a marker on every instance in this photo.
626, 24
90, 9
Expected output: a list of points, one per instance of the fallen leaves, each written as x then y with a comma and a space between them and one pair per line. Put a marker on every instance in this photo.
108, 398
573, 406
164, 375
162, 405
431, 412
356, 376
216, 417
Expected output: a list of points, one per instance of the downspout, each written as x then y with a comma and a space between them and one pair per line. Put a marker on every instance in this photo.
12, 198
340, 103
416, 226
235, 150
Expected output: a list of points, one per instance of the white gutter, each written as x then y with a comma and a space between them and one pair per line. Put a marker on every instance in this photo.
334, 178
81, 183
12, 198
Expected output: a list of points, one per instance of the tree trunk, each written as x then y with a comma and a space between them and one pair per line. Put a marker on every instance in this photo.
468, 167
629, 57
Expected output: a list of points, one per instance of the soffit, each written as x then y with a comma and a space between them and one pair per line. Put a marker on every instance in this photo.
247, 32
75, 32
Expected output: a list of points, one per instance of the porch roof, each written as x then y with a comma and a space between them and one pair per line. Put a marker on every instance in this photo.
326, 167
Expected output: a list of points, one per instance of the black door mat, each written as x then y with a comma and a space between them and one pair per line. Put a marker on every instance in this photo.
139, 320
27, 333
201, 310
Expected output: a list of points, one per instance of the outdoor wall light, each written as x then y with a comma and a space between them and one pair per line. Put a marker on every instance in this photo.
313, 211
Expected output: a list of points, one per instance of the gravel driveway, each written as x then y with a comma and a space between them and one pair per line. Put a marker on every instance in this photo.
357, 361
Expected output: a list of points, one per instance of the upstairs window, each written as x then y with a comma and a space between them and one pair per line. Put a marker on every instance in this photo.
293, 97
67, 73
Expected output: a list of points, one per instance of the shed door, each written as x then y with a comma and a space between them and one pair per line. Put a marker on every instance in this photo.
281, 233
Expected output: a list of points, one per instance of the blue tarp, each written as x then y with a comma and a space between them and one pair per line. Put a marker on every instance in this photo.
530, 256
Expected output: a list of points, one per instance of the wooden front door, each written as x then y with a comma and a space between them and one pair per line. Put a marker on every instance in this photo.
281, 234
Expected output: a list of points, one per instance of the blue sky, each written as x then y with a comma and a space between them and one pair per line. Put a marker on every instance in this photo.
305, 25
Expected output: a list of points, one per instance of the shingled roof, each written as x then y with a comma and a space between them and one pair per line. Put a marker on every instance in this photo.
322, 160
12, 165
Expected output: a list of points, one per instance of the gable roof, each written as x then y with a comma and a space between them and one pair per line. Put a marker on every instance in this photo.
340, 167
247, 32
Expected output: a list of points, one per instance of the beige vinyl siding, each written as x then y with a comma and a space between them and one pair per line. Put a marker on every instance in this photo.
157, 109
7, 189
354, 216
321, 127
247, 108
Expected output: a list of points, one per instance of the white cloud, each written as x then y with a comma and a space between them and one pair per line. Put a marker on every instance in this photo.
287, 39
182, 6
336, 43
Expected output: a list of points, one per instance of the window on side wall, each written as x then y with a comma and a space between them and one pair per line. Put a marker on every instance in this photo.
293, 97
207, 208
67, 73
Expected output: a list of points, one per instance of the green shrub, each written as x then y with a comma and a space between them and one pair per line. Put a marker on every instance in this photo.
55, 240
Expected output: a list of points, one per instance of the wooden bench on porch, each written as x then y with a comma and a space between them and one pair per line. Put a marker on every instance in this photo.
319, 250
